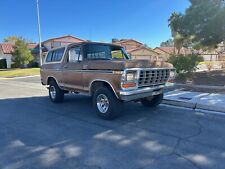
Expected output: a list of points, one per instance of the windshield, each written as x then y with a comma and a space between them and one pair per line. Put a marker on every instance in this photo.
104, 52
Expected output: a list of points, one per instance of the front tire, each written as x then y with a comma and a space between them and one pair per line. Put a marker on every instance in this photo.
55, 93
106, 104
152, 101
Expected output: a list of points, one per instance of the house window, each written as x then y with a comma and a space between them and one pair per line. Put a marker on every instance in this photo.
56, 44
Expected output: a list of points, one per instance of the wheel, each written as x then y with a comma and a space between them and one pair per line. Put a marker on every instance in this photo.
106, 104
55, 93
152, 101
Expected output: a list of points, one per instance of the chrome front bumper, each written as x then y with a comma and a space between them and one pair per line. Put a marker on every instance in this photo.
141, 93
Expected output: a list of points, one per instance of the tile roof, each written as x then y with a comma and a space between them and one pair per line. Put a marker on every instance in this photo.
7, 48
66, 36
141, 47
31, 45
170, 50
126, 40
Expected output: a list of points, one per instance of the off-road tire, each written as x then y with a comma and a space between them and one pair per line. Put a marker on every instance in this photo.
59, 93
114, 104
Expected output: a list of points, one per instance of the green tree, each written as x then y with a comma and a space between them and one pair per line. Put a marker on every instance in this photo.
21, 55
185, 64
11, 39
168, 43
178, 39
203, 23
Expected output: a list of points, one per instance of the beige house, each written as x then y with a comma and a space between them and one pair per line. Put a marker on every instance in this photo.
5, 53
144, 53
60, 41
55, 43
163, 53
137, 50
166, 52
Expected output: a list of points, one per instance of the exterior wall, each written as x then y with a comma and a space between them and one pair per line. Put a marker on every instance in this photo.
48, 45
8, 58
144, 54
210, 57
128, 45
165, 56
54, 43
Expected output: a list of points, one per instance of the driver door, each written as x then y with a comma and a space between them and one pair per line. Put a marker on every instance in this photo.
72, 70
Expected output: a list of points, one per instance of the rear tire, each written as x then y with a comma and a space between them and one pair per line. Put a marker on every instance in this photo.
55, 93
106, 104
152, 101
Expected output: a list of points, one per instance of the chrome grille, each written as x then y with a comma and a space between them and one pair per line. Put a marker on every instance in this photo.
153, 77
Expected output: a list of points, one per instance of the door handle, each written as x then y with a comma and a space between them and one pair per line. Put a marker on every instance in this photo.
65, 67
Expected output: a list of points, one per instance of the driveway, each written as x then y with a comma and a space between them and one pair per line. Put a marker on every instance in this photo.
36, 133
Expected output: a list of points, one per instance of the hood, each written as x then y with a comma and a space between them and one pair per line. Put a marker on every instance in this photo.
123, 64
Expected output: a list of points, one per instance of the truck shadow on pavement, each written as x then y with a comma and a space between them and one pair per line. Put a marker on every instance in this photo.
36, 133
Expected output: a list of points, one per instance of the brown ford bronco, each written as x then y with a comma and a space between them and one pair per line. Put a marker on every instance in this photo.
106, 72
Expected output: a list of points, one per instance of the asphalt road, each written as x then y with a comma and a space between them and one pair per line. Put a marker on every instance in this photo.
36, 133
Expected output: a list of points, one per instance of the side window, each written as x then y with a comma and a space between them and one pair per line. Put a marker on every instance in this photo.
49, 57
55, 56
117, 54
75, 55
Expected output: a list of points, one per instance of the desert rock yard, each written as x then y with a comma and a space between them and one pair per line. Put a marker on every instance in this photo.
206, 82
212, 78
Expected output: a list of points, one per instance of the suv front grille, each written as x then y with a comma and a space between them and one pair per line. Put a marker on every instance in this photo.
153, 77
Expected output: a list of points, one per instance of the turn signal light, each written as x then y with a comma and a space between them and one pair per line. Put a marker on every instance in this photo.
128, 85
170, 81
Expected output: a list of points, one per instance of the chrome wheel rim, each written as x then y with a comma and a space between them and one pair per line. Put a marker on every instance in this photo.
102, 103
52, 92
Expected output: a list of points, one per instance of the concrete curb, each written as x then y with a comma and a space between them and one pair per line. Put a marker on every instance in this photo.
194, 106
179, 103
210, 108
19, 77
201, 86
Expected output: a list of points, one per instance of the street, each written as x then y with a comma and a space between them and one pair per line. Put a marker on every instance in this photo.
36, 133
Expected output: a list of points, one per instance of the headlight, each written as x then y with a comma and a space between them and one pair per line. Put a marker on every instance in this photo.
130, 76
172, 74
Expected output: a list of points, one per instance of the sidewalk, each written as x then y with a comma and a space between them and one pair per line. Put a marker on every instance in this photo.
19, 77
196, 100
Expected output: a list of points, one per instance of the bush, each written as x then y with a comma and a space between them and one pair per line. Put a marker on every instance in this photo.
185, 64
33, 64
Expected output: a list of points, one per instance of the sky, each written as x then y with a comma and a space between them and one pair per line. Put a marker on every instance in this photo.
96, 20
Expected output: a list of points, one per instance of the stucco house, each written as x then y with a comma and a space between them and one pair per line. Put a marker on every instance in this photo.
60, 41
56, 42
166, 52
5, 53
163, 53
137, 50
6, 50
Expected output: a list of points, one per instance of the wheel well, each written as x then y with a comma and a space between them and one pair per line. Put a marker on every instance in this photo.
50, 79
98, 84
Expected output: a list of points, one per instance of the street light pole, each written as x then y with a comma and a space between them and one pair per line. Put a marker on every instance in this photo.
39, 32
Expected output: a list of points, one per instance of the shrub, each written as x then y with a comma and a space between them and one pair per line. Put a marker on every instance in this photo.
21, 55
185, 64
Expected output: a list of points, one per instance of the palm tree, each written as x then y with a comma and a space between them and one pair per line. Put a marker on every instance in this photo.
174, 22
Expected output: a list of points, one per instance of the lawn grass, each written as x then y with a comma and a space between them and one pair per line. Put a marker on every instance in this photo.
19, 72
